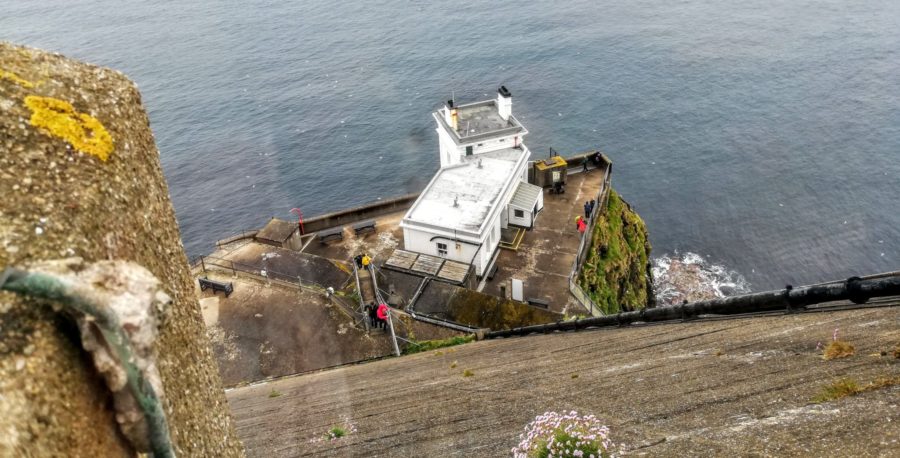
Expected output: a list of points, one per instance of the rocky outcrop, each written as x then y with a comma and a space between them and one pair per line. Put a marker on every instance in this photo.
616, 273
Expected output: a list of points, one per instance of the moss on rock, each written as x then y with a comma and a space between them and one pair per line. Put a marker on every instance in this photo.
616, 273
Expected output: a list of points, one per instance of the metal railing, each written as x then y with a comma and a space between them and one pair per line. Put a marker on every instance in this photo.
584, 246
789, 300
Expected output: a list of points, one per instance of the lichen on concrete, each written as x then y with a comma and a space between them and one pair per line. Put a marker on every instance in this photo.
616, 273
60, 201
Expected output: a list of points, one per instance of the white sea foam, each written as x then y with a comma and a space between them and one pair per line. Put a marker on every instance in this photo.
690, 277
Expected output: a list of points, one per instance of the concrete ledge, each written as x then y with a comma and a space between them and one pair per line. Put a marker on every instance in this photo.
352, 215
234, 238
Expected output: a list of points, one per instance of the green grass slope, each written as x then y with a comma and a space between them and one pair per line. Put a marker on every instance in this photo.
616, 273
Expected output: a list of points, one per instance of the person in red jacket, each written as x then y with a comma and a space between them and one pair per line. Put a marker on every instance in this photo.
582, 226
382, 315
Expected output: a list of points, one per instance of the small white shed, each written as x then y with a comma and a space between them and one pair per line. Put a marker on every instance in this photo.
527, 201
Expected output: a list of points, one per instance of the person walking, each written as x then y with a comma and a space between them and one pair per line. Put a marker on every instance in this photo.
587, 209
366, 260
370, 310
584, 164
382, 313
577, 220
593, 202
582, 226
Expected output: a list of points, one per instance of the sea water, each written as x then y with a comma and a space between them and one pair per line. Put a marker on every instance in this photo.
762, 137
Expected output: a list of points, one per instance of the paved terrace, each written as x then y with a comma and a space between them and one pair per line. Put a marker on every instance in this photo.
545, 256
717, 388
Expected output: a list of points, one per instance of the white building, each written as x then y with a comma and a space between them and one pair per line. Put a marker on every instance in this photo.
481, 187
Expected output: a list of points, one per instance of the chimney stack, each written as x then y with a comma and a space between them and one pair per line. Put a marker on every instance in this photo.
504, 103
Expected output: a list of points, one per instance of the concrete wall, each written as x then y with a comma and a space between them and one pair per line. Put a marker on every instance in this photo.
356, 214
80, 175
489, 244
448, 150
420, 242
450, 153
486, 146
524, 221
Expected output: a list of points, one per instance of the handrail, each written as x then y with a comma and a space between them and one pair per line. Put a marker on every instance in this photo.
583, 298
854, 289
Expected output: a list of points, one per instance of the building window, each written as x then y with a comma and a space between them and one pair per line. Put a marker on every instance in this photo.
519, 213
469, 150
480, 145
442, 249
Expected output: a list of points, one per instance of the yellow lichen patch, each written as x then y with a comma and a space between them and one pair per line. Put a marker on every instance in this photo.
10, 76
59, 119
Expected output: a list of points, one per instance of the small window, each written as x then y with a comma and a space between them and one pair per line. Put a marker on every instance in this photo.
442, 249
519, 213
480, 145
469, 150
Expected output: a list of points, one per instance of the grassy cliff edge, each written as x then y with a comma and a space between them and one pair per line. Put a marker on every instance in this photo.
616, 273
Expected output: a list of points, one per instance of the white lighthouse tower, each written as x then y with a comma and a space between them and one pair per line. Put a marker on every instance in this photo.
480, 188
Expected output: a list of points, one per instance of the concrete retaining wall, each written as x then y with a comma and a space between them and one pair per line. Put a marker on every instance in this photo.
356, 214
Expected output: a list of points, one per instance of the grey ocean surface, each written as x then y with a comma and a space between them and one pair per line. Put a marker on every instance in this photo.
762, 135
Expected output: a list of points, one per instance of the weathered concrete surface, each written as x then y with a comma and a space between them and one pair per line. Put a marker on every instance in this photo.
263, 331
80, 176
544, 259
738, 387
471, 308
278, 232
373, 210
286, 264
387, 236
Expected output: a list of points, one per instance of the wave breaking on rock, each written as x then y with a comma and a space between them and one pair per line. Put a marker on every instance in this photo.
690, 277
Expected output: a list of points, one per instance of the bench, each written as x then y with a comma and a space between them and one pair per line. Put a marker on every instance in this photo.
544, 304
226, 288
364, 226
492, 272
334, 233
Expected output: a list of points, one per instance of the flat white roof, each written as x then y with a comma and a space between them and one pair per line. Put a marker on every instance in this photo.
476, 190
479, 121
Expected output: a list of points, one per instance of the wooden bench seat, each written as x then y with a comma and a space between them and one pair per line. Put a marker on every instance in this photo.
336, 233
364, 226
226, 288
